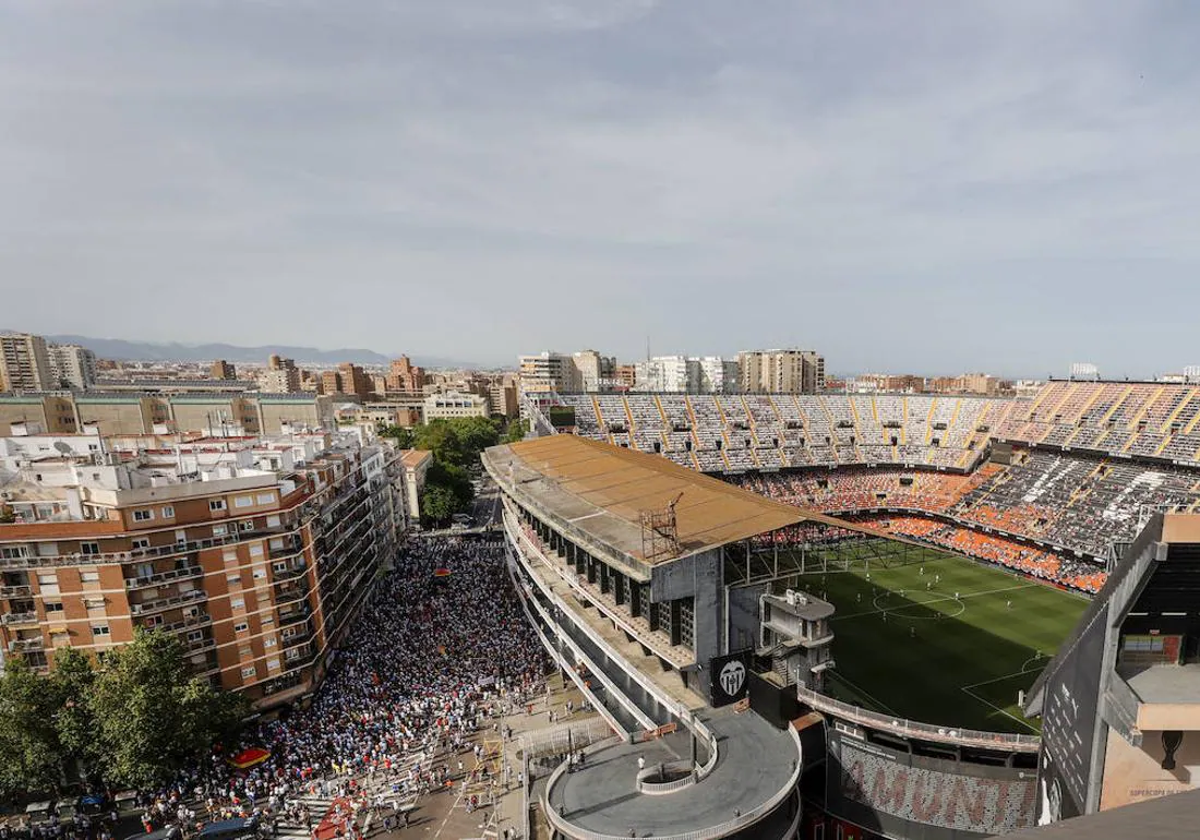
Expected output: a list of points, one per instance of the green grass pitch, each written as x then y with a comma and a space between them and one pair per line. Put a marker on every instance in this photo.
941, 639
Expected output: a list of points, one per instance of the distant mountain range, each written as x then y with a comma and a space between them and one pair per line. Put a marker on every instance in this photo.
145, 351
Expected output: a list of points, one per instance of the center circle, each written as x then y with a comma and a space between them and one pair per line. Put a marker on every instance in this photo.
920, 610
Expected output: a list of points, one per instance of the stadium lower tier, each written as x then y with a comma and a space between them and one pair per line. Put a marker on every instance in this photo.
1044, 565
1074, 505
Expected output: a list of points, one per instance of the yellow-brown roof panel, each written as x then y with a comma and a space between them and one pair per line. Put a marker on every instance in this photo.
601, 487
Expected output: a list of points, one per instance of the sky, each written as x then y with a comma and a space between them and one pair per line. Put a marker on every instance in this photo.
920, 186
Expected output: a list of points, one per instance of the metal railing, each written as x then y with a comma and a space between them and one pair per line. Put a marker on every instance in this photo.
558, 741
168, 576
22, 591
20, 618
166, 603
27, 644
644, 785
917, 729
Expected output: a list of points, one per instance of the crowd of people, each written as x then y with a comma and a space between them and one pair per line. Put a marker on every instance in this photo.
422, 669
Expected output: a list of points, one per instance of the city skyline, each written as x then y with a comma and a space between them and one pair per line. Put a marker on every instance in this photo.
807, 176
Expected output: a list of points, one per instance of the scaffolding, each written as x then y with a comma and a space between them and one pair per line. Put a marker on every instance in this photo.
660, 533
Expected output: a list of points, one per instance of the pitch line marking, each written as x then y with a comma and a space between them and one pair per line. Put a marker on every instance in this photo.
947, 597
1024, 670
865, 693
1001, 711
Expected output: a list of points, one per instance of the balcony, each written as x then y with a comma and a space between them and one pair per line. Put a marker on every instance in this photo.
291, 547
14, 618
158, 578
291, 573
294, 616
16, 592
297, 639
160, 604
26, 645
189, 623
191, 648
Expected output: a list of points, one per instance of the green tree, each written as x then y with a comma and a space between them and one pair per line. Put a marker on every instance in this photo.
30, 755
402, 436
516, 431
438, 504
71, 683
441, 438
151, 715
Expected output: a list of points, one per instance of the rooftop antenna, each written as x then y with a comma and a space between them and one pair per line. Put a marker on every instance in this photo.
647, 348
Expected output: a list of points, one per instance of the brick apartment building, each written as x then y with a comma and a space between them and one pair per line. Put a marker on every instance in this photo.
256, 552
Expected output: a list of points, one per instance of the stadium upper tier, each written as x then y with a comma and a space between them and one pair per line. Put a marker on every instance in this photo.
1124, 419
739, 433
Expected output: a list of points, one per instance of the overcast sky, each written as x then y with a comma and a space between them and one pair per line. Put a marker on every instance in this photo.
934, 187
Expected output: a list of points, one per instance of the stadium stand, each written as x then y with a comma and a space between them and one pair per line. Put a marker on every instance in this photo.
776, 431
1088, 458
1140, 419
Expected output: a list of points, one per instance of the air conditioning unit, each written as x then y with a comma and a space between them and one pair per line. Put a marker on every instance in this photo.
790, 597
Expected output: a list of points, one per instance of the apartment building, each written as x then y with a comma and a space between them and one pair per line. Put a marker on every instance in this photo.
404, 376
281, 376
142, 413
596, 373
222, 369
72, 366
686, 375
25, 363
549, 372
256, 552
455, 404
781, 371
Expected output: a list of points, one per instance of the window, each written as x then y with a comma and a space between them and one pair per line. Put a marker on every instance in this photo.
245, 652
53, 606
237, 604
273, 521
260, 573
180, 537
243, 501
14, 552
89, 548
266, 499
141, 543
220, 530
273, 663
269, 641
143, 515
256, 550
249, 671
266, 619
90, 577
93, 603
233, 580
168, 512
241, 627
215, 505
154, 620
47, 579
246, 525
99, 629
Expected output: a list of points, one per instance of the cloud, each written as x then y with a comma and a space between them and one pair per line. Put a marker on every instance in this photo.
480, 179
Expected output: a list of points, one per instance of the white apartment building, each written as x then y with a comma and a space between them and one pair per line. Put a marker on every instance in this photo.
596, 372
686, 375
549, 372
456, 404
72, 366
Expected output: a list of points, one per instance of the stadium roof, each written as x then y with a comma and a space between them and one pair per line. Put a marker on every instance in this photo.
1164, 818
602, 490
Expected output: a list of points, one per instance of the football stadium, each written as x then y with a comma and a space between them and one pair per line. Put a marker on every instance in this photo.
916, 622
